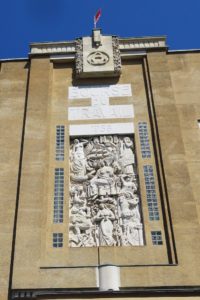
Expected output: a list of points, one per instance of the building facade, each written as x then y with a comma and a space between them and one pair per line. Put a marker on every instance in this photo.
100, 160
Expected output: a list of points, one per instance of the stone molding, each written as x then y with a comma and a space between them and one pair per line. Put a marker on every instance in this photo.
179, 291
142, 43
48, 48
125, 44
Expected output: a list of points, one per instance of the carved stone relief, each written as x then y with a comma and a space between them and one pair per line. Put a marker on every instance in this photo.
79, 56
116, 55
100, 107
97, 58
104, 196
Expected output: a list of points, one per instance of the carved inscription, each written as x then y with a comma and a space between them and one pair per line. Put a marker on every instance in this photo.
97, 129
117, 90
100, 108
102, 112
104, 197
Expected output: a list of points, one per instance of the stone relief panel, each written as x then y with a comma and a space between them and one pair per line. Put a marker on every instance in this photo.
97, 56
105, 205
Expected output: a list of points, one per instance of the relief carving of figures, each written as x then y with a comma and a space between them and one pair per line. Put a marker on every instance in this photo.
103, 183
104, 196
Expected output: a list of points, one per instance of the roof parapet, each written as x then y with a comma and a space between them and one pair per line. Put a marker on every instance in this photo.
125, 44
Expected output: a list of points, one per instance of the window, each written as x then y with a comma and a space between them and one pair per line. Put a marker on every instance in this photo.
58, 195
151, 193
57, 240
60, 142
156, 238
144, 140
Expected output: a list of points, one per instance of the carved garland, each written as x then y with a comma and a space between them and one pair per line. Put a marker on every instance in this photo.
116, 55
79, 56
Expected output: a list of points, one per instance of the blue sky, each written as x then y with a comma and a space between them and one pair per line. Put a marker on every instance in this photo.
26, 21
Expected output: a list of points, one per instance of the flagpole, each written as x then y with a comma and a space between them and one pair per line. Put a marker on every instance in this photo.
96, 17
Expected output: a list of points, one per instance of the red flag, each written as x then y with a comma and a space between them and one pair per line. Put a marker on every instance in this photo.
97, 17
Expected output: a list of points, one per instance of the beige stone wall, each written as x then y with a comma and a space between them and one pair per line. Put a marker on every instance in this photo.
185, 72
13, 76
33, 236
165, 83
47, 107
166, 95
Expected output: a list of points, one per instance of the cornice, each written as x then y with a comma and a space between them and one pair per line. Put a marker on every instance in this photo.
142, 43
125, 45
52, 47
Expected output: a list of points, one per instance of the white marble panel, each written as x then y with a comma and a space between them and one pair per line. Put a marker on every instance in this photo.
96, 129
99, 101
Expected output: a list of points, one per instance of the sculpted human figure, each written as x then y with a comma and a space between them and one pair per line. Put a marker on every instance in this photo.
127, 157
105, 216
103, 183
127, 183
106, 199
78, 147
78, 162
87, 239
117, 233
134, 234
80, 218
130, 217
78, 239
74, 237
